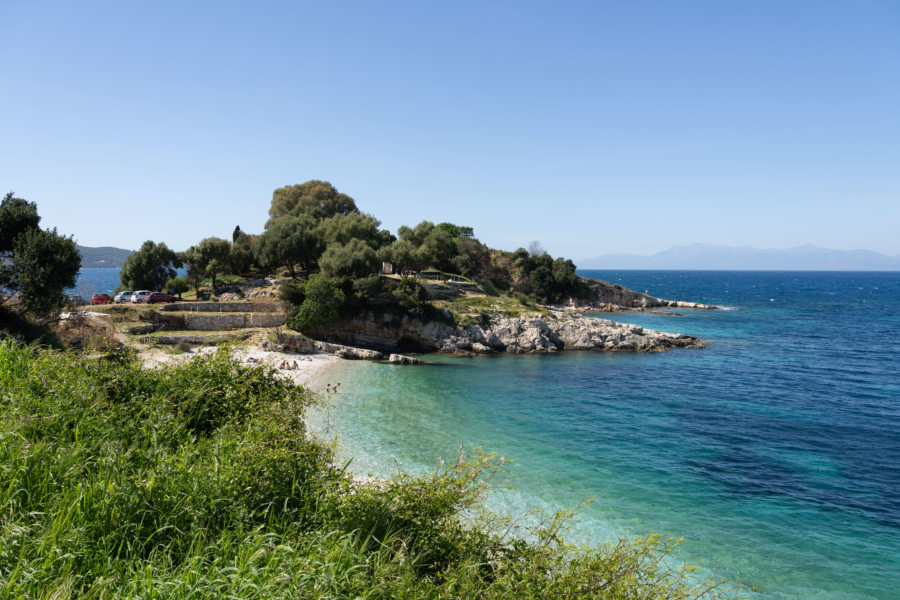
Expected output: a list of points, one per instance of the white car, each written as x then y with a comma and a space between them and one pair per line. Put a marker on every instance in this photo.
140, 296
122, 297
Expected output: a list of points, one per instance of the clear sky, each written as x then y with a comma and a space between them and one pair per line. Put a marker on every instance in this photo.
593, 127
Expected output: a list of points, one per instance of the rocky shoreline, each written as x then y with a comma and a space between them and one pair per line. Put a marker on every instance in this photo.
562, 331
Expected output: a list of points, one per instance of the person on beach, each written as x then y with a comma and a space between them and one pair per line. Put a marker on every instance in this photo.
334, 389
328, 389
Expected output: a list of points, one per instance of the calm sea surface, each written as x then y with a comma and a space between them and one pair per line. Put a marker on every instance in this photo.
96, 281
775, 451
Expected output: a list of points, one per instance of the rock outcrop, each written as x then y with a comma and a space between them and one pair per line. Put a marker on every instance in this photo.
607, 297
298, 343
521, 335
402, 359
395, 334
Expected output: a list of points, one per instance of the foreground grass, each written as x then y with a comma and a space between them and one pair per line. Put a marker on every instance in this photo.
199, 481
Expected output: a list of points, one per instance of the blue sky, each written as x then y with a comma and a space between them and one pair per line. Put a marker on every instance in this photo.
593, 127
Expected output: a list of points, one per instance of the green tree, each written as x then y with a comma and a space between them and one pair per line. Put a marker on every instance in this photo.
40, 266
410, 294
17, 215
210, 258
178, 285
340, 229
352, 260
440, 247
240, 256
322, 304
416, 236
292, 240
541, 280
319, 195
196, 267
35, 265
150, 267
402, 254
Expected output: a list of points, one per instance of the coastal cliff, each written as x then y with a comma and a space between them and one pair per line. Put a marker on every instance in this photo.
530, 334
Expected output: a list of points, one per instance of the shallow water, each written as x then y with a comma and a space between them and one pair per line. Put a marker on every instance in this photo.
774, 451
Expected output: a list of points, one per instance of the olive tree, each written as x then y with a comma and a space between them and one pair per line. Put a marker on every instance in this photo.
293, 240
210, 258
150, 267
321, 196
36, 265
352, 260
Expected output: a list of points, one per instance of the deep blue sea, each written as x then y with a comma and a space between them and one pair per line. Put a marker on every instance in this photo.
95, 281
774, 452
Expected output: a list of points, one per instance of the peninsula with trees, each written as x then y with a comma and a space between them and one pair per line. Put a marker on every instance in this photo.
431, 287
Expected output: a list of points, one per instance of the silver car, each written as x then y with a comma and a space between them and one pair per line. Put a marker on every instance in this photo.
140, 296
123, 297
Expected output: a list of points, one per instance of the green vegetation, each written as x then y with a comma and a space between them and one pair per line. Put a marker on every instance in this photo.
36, 265
315, 229
469, 310
150, 267
199, 481
322, 302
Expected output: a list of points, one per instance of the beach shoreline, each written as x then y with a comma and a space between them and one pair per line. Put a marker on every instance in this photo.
305, 370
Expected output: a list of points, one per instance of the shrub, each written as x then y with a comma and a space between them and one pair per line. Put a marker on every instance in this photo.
322, 304
410, 294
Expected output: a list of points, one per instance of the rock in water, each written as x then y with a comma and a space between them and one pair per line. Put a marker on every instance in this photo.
401, 359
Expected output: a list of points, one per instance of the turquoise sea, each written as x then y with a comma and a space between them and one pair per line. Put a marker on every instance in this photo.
774, 452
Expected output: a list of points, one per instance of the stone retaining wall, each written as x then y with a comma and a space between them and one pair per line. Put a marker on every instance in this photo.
225, 307
216, 322
215, 338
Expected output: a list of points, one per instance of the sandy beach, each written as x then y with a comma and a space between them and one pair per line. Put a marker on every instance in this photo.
303, 369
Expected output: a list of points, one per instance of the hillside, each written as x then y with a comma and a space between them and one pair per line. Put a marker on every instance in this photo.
709, 257
104, 257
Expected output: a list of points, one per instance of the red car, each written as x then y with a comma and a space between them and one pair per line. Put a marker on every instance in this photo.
159, 297
100, 299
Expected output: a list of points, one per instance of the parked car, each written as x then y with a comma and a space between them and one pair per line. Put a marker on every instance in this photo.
123, 297
75, 300
140, 296
159, 297
100, 299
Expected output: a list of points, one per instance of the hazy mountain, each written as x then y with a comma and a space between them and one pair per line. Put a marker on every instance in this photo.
103, 257
704, 256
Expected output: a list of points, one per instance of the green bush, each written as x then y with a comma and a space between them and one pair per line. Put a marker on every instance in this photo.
410, 295
324, 299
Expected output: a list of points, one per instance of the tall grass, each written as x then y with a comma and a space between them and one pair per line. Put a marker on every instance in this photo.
199, 481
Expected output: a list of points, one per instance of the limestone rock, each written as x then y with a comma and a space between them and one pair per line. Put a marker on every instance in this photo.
401, 359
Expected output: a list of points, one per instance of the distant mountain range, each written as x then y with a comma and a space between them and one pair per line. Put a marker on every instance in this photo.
103, 257
708, 257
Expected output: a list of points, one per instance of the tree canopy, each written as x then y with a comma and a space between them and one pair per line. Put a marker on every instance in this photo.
16, 216
150, 267
352, 260
36, 265
322, 303
210, 258
292, 240
319, 195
